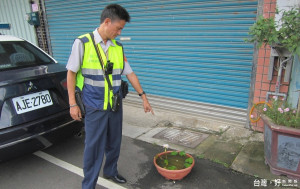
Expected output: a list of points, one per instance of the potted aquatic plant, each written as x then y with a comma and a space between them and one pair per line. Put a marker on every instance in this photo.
173, 165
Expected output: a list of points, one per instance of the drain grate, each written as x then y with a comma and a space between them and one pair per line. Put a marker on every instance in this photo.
181, 137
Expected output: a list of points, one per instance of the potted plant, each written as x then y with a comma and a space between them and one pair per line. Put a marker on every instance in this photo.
281, 137
284, 33
173, 165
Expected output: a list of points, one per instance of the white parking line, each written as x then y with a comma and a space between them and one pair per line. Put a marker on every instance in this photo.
75, 170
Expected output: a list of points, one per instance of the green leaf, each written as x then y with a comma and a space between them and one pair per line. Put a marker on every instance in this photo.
182, 153
172, 167
189, 160
166, 162
174, 153
186, 165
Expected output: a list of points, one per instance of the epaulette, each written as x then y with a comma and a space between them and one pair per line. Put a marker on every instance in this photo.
118, 43
84, 39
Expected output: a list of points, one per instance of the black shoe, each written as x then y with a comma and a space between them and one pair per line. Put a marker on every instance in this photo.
117, 179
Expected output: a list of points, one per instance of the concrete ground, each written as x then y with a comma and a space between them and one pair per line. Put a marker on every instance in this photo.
226, 156
235, 147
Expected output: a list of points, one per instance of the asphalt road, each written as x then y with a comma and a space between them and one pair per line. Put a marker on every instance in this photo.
59, 167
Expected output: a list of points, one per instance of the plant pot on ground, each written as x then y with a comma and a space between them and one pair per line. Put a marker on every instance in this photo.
282, 149
173, 165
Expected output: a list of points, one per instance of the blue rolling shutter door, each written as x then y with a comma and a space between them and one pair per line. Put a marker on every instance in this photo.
189, 55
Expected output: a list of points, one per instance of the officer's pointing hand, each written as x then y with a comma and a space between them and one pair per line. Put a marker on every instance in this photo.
147, 107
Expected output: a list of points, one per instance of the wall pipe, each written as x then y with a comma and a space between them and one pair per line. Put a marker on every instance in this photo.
277, 86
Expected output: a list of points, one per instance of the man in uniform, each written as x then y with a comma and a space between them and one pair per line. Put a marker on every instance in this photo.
103, 127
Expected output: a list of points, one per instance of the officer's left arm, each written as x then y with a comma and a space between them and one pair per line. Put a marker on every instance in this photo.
133, 79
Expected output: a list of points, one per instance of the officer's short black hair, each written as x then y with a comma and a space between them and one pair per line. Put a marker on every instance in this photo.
114, 11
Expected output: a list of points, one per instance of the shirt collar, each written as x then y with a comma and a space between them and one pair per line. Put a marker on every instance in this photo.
98, 38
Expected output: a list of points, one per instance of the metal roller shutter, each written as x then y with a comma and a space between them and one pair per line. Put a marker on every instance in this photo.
190, 54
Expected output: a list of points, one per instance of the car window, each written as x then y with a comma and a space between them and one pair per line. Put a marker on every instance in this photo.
16, 54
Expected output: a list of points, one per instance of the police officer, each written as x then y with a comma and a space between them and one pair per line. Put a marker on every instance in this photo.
103, 127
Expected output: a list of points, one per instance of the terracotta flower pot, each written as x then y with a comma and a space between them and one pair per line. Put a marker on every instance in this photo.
173, 174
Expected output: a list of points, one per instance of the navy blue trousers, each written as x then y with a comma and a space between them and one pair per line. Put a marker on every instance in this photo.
103, 135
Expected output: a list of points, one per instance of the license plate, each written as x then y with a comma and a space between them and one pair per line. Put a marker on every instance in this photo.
32, 102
